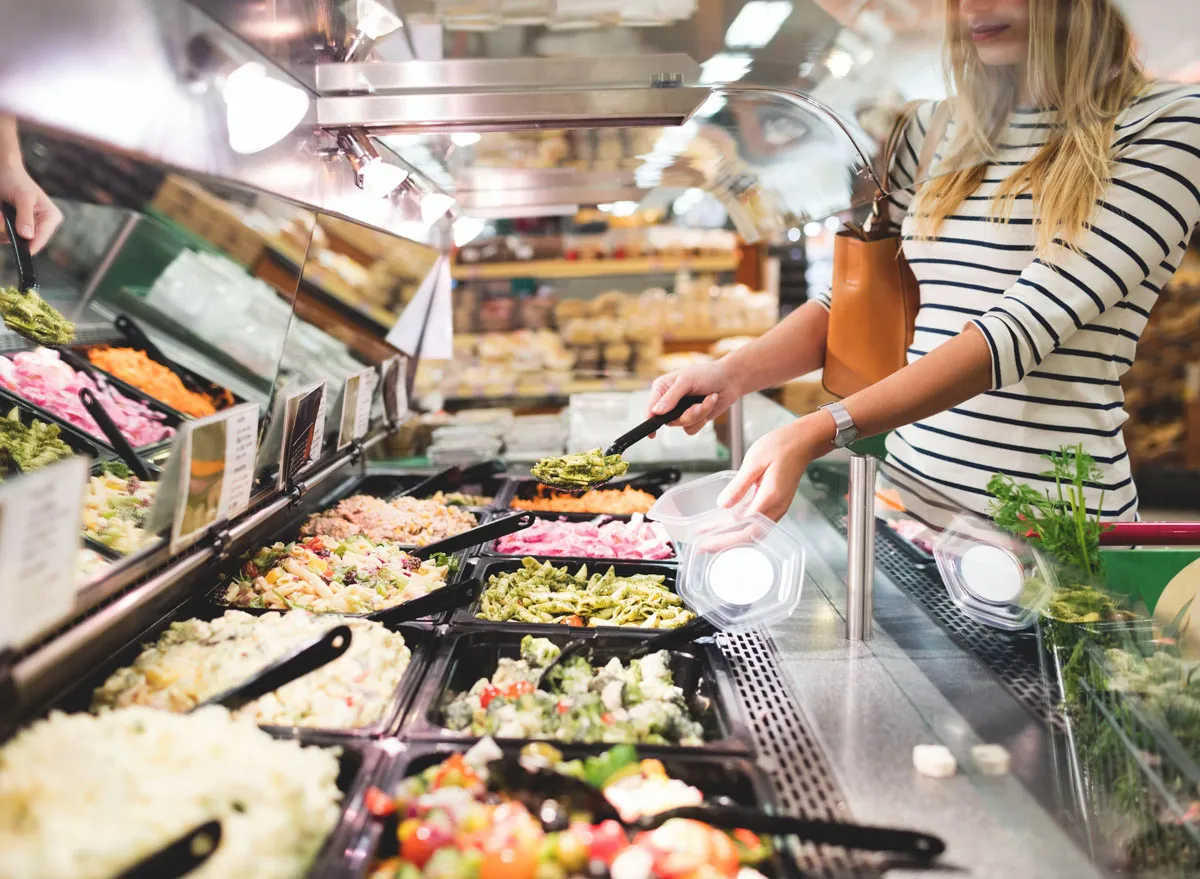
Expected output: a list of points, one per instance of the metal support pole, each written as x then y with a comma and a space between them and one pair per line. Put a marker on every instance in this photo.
860, 544
737, 434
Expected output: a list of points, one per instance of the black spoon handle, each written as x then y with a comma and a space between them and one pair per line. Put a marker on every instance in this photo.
651, 479
127, 327
325, 649
115, 438
479, 534
480, 471
570, 651
428, 485
26, 275
180, 857
438, 601
922, 846
673, 639
647, 427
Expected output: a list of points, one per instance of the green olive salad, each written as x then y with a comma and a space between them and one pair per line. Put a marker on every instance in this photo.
540, 592
579, 470
617, 703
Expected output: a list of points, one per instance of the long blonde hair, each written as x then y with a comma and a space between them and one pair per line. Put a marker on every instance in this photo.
1081, 63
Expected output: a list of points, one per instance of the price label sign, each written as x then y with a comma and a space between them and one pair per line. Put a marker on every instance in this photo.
40, 517
395, 389
357, 396
209, 476
303, 431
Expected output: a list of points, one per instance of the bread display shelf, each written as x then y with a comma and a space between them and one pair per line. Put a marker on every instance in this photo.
552, 269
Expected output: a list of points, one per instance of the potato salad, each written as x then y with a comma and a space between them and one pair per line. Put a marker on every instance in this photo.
616, 703
197, 659
326, 574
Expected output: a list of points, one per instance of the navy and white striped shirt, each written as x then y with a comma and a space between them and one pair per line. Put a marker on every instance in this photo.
1061, 331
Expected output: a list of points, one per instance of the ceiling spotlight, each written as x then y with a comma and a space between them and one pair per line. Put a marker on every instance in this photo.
467, 229
434, 206
372, 174
374, 22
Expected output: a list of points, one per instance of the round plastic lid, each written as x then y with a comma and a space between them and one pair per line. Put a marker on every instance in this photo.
991, 576
740, 571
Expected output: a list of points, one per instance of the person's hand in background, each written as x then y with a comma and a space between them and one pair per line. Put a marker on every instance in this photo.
37, 215
709, 380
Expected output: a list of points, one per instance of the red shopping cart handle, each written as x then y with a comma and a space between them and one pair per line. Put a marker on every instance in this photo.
1152, 534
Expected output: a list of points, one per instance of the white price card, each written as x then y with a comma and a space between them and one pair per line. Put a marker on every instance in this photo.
41, 514
209, 476
357, 396
303, 431
395, 389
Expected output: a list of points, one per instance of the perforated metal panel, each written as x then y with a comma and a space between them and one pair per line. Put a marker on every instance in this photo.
789, 753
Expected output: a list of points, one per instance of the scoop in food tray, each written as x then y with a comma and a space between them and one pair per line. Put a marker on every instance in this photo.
438, 601
115, 438
178, 858
488, 531
673, 639
567, 475
452, 477
307, 659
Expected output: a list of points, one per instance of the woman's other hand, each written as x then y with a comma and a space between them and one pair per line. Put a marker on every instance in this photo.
774, 466
709, 380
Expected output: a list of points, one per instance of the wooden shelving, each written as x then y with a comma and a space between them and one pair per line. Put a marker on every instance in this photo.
558, 269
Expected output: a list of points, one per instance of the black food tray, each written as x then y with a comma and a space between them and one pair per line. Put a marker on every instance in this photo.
359, 764
485, 567
112, 554
733, 778
203, 383
654, 482
81, 442
171, 418
420, 641
391, 485
489, 548
700, 671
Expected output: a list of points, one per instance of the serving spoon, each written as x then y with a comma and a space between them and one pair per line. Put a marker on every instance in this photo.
178, 858
621, 444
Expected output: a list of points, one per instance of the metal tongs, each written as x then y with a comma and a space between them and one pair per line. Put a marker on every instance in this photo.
672, 639
623, 442
543, 791
178, 858
115, 438
307, 659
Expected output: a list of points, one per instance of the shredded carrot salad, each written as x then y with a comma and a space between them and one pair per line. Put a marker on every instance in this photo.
614, 502
136, 368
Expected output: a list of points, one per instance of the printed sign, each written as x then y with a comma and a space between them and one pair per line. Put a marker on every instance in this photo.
209, 476
40, 518
395, 389
357, 396
303, 431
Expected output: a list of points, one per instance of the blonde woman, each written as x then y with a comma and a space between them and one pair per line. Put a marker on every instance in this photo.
1039, 259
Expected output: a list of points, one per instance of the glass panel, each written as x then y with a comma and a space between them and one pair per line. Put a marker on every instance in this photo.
180, 311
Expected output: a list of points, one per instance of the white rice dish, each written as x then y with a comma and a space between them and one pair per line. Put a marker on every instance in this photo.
197, 659
86, 796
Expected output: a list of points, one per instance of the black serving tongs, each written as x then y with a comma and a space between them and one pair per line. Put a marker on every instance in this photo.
671, 639
623, 442
179, 858
27, 281
307, 659
488, 531
440, 600
115, 438
552, 795
453, 477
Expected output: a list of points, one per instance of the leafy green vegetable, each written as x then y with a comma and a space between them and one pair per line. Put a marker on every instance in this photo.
34, 318
441, 560
581, 469
118, 469
598, 771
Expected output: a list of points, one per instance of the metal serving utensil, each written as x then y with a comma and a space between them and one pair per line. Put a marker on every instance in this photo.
623, 442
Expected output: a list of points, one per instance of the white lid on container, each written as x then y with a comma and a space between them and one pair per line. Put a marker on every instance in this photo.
992, 576
741, 570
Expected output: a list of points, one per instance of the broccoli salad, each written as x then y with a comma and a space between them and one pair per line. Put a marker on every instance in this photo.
325, 574
195, 660
617, 703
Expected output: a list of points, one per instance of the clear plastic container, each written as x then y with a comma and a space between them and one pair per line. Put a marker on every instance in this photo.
991, 576
737, 569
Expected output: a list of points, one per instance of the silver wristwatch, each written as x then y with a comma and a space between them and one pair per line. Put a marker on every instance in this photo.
847, 432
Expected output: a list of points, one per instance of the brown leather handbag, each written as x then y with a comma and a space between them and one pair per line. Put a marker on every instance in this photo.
875, 297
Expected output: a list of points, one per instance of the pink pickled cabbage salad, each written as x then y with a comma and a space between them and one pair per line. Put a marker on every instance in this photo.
41, 377
601, 538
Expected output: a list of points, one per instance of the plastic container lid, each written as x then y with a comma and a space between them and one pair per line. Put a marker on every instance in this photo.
991, 576
683, 506
741, 570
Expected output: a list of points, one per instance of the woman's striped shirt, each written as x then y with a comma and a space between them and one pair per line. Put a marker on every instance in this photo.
1062, 330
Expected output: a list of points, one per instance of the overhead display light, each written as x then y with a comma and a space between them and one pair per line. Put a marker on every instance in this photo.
372, 175
434, 206
467, 229
725, 67
757, 24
